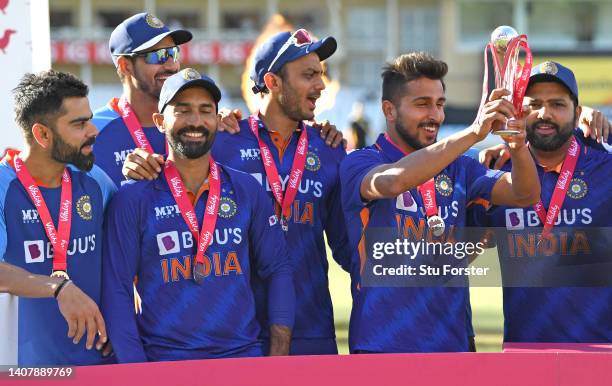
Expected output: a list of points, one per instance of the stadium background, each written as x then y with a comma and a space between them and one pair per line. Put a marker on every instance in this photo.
574, 32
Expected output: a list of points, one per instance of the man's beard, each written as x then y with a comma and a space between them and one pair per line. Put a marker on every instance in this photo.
150, 89
550, 142
290, 104
191, 149
412, 141
67, 154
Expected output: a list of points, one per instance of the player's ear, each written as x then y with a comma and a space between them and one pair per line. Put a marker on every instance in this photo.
389, 110
124, 66
42, 134
272, 81
158, 119
577, 116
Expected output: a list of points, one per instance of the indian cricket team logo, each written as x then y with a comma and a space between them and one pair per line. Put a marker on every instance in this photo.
444, 185
313, 163
83, 207
191, 74
577, 189
227, 207
549, 68
153, 21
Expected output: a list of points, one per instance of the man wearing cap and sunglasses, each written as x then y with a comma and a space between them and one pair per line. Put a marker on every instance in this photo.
145, 53
571, 222
300, 174
194, 236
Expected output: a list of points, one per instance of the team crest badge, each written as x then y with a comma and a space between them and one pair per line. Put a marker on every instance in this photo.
313, 163
83, 207
577, 189
153, 21
191, 74
227, 207
444, 185
549, 68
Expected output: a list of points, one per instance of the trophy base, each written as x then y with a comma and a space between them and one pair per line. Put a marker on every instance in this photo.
506, 132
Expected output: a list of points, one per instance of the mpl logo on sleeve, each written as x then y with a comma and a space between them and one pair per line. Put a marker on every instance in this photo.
515, 219
168, 243
250, 154
30, 216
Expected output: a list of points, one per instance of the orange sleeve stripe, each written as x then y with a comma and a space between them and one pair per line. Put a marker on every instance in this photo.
365, 218
479, 201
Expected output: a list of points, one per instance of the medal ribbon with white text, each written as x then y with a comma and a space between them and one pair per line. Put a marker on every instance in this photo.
179, 192
59, 237
297, 169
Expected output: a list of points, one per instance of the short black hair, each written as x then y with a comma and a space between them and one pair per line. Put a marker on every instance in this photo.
409, 67
39, 97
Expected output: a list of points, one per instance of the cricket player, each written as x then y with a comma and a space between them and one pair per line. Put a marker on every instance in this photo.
194, 236
51, 224
409, 181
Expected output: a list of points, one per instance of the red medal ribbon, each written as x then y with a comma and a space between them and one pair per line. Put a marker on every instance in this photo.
124, 108
563, 181
297, 169
59, 237
428, 194
427, 190
175, 182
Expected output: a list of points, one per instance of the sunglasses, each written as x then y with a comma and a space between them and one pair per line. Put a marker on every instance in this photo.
160, 56
299, 38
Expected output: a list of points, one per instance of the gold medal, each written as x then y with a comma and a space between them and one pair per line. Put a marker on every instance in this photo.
60, 274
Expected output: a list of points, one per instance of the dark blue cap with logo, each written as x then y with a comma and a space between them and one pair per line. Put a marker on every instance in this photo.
141, 32
183, 79
554, 72
268, 51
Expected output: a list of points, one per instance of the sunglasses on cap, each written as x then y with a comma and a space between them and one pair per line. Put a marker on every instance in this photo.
159, 56
298, 39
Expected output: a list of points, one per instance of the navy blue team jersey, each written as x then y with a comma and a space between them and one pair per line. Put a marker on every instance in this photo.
316, 211
561, 314
147, 237
408, 319
114, 141
23, 242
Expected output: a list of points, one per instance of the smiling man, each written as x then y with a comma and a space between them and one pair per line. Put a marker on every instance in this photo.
194, 236
145, 53
52, 201
409, 180
574, 210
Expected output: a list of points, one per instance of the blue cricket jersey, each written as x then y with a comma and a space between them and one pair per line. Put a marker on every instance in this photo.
23, 242
316, 211
114, 141
408, 319
561, 314
147, 237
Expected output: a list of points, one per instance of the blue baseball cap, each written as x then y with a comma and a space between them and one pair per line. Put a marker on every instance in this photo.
267, 57
554, 72
140, 32
183, 79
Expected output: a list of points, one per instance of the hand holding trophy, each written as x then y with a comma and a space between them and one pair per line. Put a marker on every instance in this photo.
505, 46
